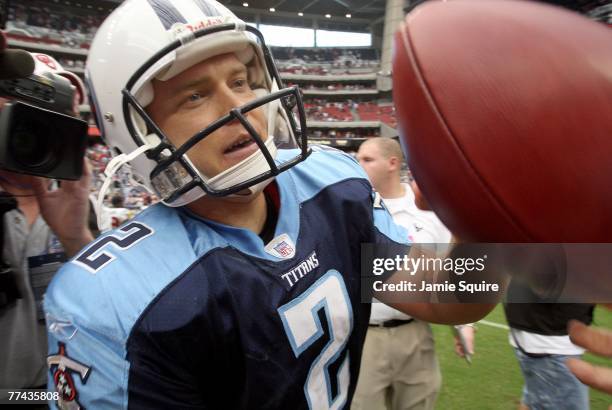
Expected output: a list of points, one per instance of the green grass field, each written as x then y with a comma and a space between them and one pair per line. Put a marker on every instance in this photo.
494, 380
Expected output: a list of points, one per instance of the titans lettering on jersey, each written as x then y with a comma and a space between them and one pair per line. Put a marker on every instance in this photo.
298, 272
173, 311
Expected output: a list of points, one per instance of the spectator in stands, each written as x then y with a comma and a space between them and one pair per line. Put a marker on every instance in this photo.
399, 368
118, 212
117, 201
53, 23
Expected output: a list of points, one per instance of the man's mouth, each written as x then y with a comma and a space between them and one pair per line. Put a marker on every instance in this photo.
240, 145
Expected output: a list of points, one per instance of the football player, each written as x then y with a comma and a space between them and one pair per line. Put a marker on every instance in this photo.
242, 289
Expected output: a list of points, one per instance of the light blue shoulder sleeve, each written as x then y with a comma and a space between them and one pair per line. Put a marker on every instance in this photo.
95, 299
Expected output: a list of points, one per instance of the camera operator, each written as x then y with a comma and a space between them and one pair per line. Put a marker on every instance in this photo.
48, 224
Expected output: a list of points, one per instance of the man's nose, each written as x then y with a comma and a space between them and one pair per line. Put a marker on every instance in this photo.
228, 100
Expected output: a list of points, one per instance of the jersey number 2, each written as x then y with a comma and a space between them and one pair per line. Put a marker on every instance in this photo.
301, 321
96, 256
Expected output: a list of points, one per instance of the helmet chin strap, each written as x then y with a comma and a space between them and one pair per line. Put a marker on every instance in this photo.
252, 166
111, 169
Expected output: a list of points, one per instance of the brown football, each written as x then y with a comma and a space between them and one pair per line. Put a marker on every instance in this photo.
505, 110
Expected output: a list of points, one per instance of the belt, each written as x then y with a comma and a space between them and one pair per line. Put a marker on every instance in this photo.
392, 323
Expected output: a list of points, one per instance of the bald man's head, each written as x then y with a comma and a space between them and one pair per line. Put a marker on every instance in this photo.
388, 147
381, 158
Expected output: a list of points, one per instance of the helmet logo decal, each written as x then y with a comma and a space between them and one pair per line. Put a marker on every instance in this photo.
179, 28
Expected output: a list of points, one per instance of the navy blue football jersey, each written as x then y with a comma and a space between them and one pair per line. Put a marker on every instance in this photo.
173, 311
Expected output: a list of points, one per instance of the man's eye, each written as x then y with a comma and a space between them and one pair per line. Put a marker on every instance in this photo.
240, 83
195, 97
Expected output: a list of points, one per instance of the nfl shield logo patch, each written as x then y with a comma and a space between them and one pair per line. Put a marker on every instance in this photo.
282, 247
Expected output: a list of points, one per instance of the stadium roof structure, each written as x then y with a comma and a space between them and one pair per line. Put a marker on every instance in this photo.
363, 13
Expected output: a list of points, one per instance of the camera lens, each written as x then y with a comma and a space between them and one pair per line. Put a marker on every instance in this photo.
32, 145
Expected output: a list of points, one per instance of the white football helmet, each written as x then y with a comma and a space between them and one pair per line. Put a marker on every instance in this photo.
144, 40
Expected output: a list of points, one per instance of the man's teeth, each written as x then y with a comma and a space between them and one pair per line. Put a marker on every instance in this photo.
239, 144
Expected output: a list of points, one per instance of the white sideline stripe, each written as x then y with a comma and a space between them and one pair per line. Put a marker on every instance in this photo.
493, 324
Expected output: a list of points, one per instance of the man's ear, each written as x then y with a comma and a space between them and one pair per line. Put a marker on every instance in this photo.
395, 163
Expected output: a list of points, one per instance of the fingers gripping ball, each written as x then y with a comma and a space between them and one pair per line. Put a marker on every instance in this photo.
505, 109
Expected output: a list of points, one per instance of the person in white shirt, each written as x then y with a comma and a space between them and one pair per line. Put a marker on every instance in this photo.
399, 368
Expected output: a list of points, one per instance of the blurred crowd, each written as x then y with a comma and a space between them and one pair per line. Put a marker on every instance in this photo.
324, 55
335, 86
320, 109
52, 25
348, 133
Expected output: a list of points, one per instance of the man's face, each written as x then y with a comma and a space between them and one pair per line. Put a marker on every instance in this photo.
374, 163
192, 100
